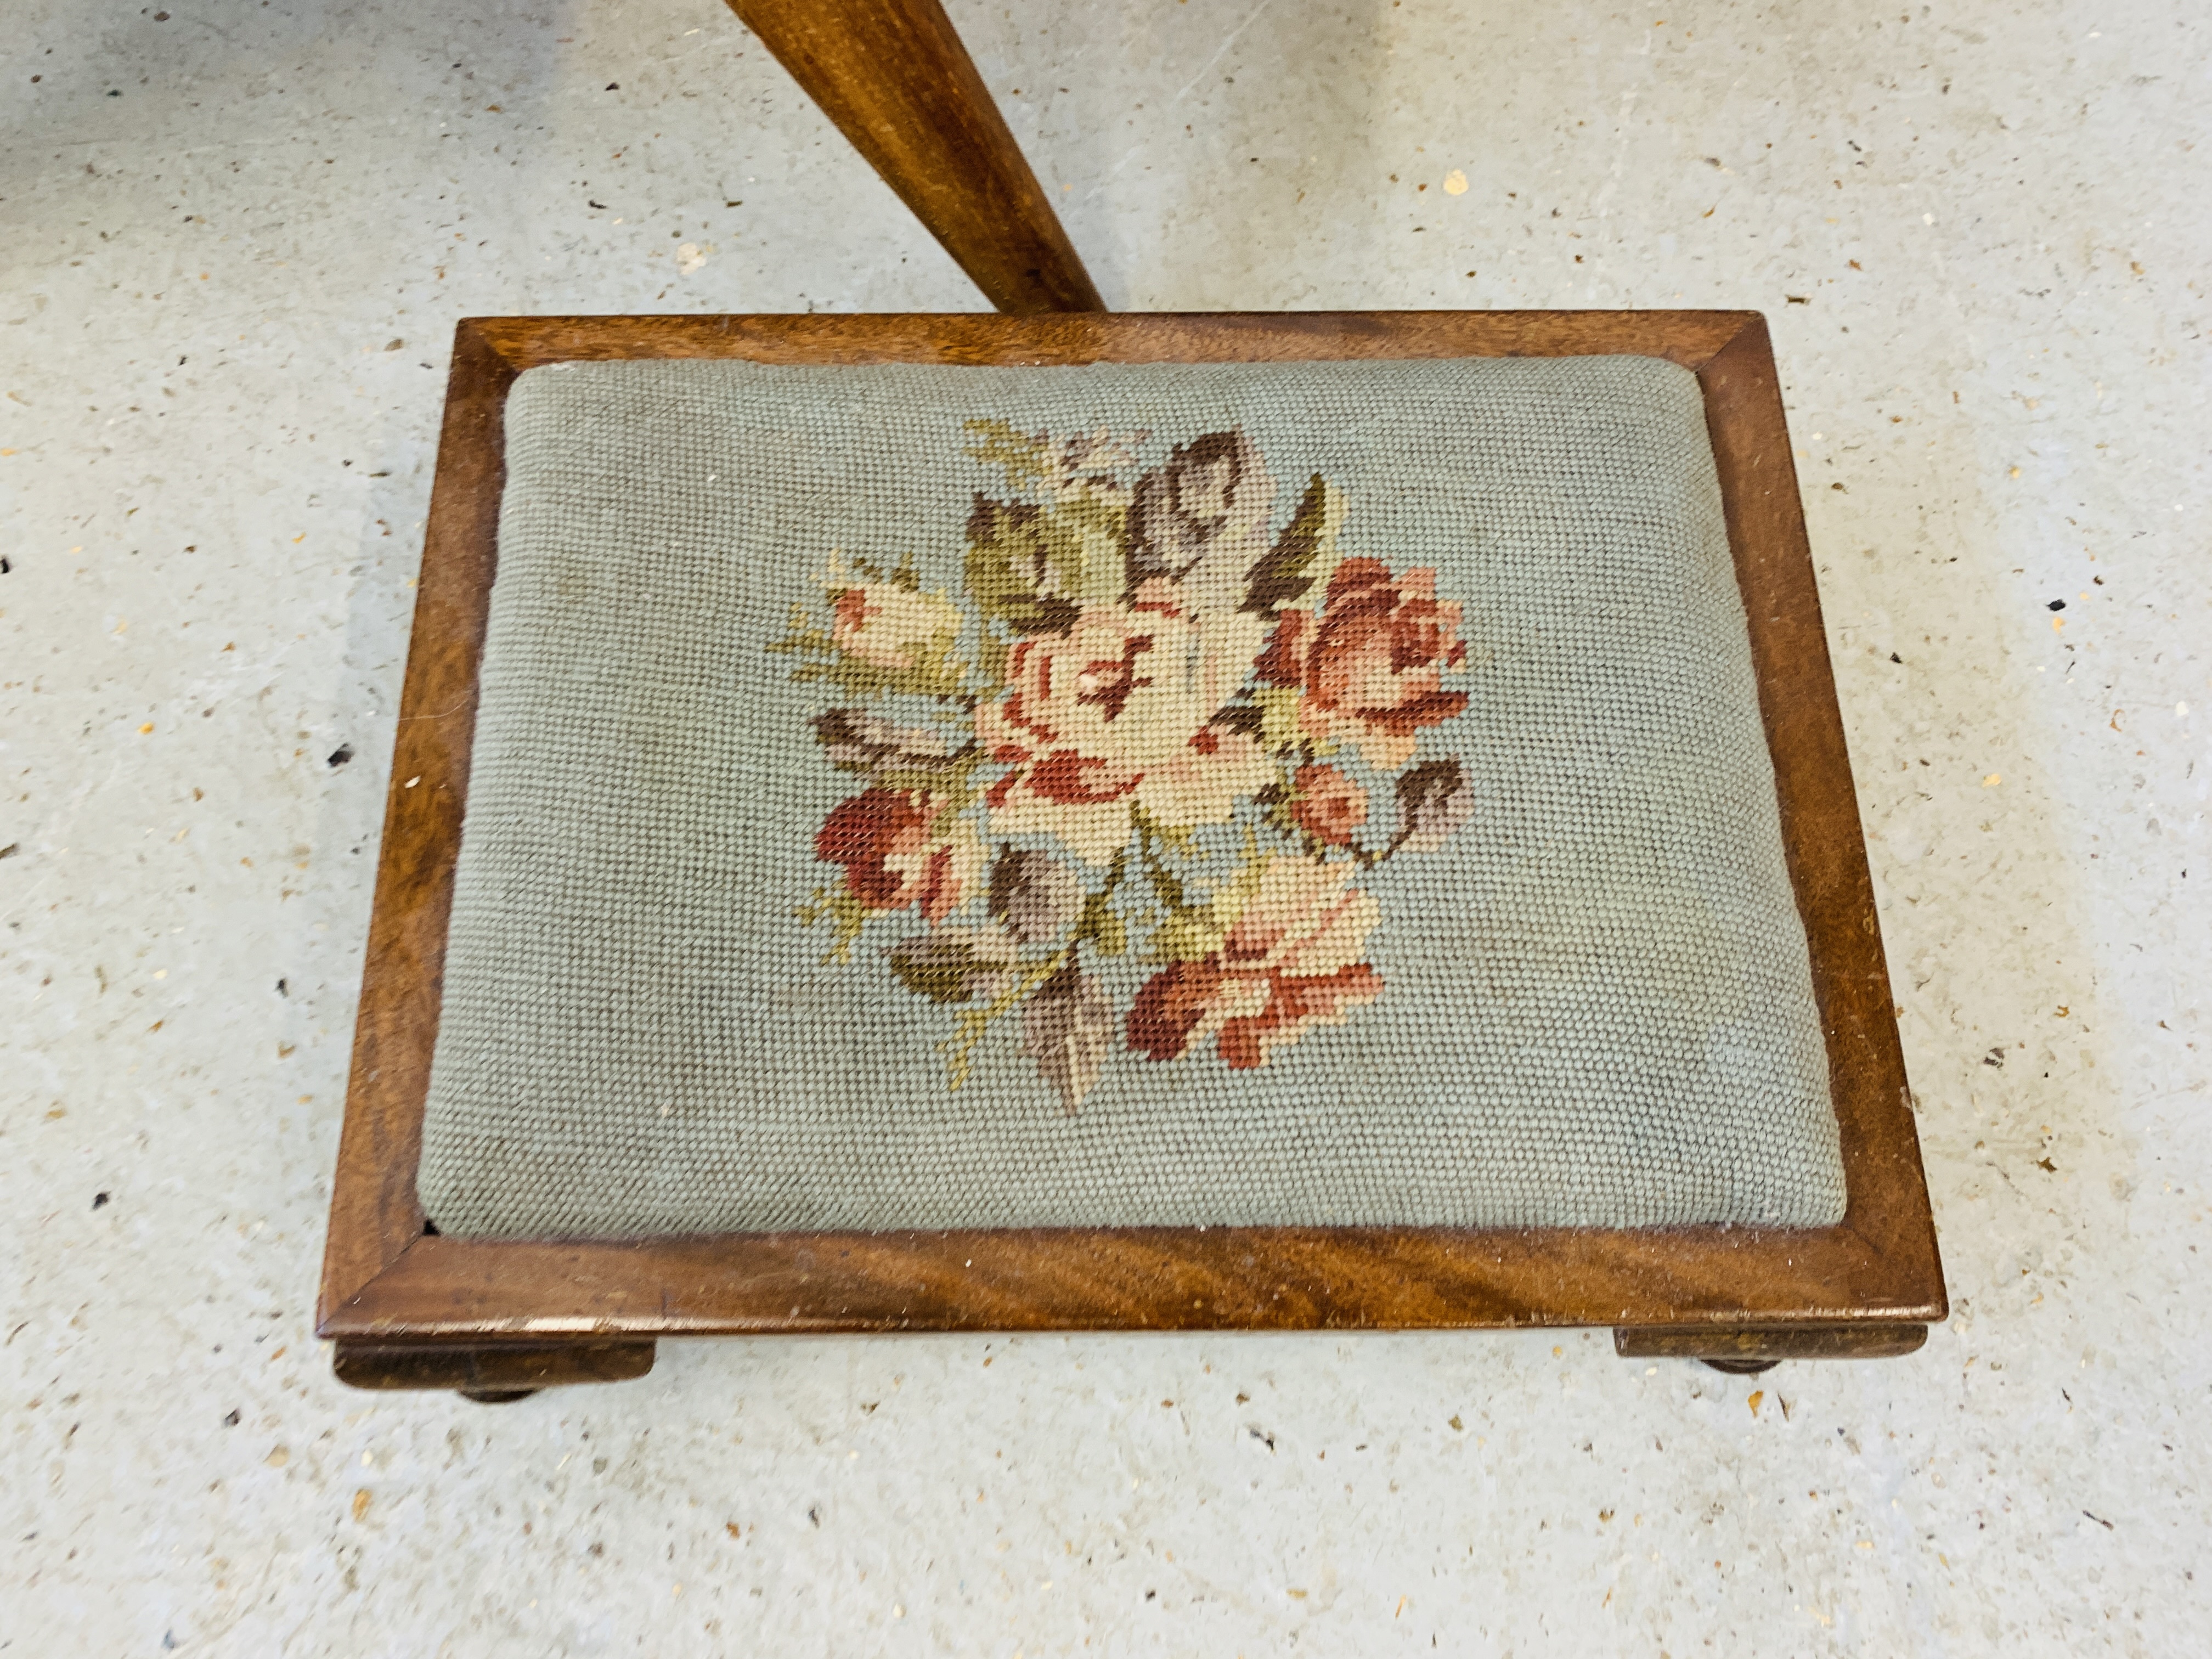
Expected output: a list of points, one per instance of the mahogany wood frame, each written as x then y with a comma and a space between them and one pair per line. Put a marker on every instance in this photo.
410, 1307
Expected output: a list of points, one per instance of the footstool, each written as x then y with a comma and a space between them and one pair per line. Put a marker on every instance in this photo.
1237, 822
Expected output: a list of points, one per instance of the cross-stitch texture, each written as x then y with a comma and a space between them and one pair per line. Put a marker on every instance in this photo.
1121, 795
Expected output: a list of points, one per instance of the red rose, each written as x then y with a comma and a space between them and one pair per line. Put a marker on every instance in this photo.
1171, 1007
1286, 964
1370, 666
1329, 805
897, 852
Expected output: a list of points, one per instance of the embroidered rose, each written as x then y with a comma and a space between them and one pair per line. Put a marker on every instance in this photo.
1370, 666
1149, 679
891, 627
1329, 806
1289, 960
902, 848
1115, 713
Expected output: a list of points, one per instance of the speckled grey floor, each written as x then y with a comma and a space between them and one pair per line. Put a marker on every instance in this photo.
234, 238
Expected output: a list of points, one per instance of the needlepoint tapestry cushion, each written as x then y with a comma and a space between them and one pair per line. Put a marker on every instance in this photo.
1299, 793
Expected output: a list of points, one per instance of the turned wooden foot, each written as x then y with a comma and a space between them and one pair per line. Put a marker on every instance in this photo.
1745, 1352
491, 1374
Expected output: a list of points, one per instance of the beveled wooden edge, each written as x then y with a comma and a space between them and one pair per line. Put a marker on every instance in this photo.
384, 1277
498, 1367
1868, 1341
1822, 838
1132, 1279
375, 1215
1691, 339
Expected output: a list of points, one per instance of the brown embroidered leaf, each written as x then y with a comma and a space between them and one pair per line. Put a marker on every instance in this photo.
1302, 555
1067, 1029
1201, 519
1434, 798
953, 964
1035, 894
854, 740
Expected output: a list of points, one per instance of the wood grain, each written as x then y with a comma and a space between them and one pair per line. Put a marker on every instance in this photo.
1691, 338
1821, 837
386, 1279
893, 76
1137, 1278
1866, 1341
374, 1213
487, 1368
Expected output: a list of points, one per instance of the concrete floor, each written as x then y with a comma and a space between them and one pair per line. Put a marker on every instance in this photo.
236, 237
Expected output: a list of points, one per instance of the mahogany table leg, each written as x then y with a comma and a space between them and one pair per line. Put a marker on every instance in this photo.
893, 76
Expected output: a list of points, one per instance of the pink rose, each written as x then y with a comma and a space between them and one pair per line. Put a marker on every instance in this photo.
1288, 963
1370, 666
901, 849
1114, 715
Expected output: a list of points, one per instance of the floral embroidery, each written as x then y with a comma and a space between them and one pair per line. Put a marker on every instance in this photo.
1139, 733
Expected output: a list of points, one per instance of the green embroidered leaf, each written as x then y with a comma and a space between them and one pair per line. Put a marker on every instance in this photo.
1025, 458
1017, 567
1183, 837
1304, 556
840, 906
953, 964
1195, 929
1089, 536
970, 1023
1164, 882
1188, 931
933, 668
1229, 899
1187, 936
806, 637
991, 654
1101, 923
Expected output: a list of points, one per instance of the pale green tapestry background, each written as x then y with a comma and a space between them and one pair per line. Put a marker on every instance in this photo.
1597, 1006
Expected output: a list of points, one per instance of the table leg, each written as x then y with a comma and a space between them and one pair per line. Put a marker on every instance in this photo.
895, 77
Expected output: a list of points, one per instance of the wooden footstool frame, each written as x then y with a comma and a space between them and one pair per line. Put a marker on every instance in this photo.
408, 1308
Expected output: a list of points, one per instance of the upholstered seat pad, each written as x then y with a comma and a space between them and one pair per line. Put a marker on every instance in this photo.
1326, 794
